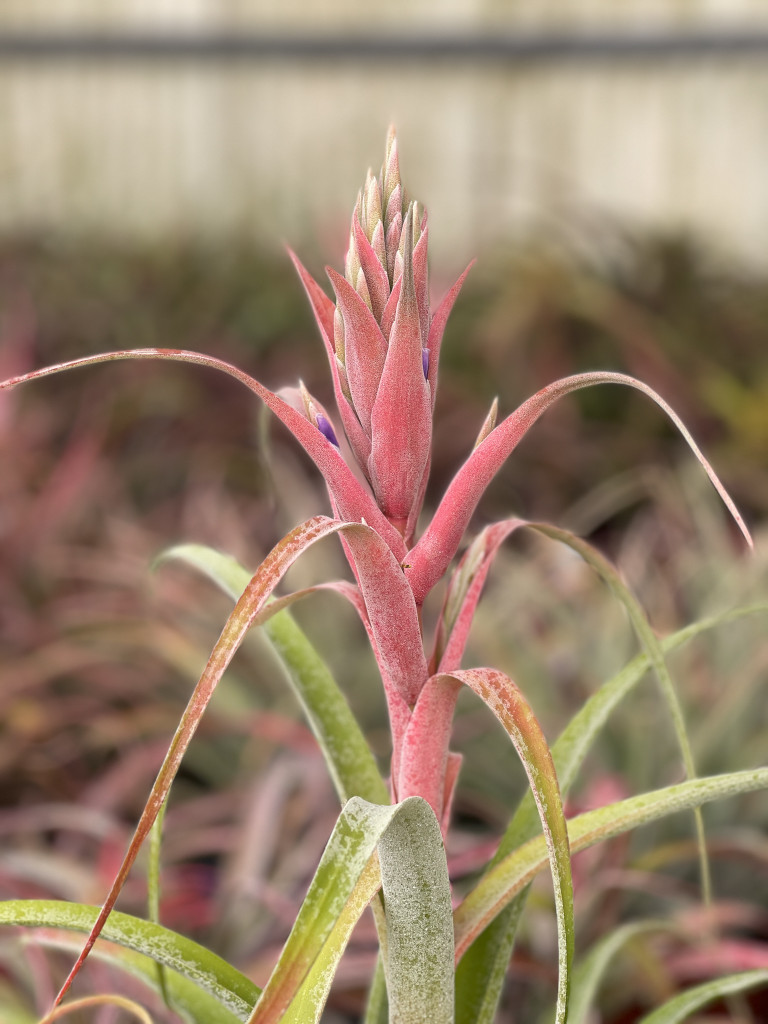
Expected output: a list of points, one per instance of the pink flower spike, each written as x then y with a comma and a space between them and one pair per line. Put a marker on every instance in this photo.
324, 310
375, 274
429, 559
365, 348
401, 418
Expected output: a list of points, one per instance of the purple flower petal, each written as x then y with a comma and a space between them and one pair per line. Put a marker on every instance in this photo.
326, 429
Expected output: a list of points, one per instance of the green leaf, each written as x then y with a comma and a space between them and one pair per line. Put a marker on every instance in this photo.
510, 876
417, 903
377, 1008
683, 1005
481, 972
588, 975
653, 649
198, 982
414, 877
349, 758
153, 888
307, 1005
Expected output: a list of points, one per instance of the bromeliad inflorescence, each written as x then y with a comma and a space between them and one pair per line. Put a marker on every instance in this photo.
383, 342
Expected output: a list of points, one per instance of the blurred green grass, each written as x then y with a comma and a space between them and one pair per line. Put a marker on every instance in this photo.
101, 469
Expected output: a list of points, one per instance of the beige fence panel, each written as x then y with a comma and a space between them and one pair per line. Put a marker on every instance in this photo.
276, 149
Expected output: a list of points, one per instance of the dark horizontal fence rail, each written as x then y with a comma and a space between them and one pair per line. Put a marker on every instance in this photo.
479, 49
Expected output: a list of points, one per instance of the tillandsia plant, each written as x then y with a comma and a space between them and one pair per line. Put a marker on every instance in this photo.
438, 963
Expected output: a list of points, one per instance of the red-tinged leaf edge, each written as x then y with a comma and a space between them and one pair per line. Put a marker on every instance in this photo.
463, 593
427, 740
429, 559
353, 501
322, 305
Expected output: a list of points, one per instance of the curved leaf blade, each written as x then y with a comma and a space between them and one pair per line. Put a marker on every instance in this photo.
683, 1005
348, 756
417, 904
410, 845
380, 577
514, 712
481, 971
510, 876
193, 971
589, 973
431, 556
353, 501
650, 643
87, 1002
464, 590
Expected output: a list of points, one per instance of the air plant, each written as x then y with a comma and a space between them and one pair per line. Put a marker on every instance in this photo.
437, 963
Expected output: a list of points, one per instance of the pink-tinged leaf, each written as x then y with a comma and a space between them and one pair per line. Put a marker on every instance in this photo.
392, 611
464, 591
351, 498
437, 328
393, 233
322, 305
423, 758
401, 419
439, 543
365, 348
323, 308
375, 274
421, 283
253, 599
379, 246
452, 769
381, 580
514, 712
388, 316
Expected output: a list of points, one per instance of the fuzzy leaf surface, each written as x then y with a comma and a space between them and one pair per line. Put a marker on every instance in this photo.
417, 896
417, 901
